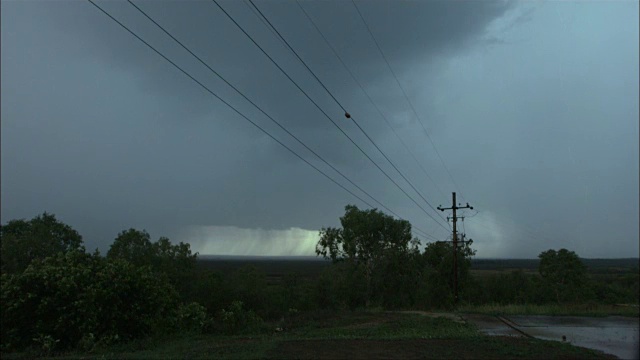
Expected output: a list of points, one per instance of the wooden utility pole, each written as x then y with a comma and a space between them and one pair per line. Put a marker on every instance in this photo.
455, 243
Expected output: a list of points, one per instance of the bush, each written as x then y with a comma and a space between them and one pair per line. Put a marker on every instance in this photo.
341, 286
132, 302
298, 293
434, 292
249, 286
78, 299
193, 318
396, 279
49, 302
236, 319
210, 290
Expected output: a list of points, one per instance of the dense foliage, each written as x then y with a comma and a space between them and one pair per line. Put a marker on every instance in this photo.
372, 243
563, 273
174, 261
77, 298
55, 296
22, 241
438, 287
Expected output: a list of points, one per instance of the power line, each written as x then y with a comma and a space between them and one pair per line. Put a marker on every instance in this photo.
345, 110
259, 108
223, 101
431, 237
523, 232
325, 114
233, 108
346, 113
335, 52
246, 3
406, 97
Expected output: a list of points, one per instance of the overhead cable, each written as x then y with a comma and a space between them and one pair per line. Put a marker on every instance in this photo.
351, 117
407, 98
326, 115
335, 52
226, 103
258, 107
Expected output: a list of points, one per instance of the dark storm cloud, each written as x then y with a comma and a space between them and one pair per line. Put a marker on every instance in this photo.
101, 131
408, 32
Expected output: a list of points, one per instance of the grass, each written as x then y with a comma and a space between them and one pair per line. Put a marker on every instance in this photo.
384, 326
342, 335
552, 310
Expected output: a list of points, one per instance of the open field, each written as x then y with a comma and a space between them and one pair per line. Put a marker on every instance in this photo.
273, 268
359, 335
310, 267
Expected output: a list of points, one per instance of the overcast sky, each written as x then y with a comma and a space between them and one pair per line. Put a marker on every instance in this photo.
532, 107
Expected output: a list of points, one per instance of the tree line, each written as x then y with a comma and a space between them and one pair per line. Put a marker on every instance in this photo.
56, 296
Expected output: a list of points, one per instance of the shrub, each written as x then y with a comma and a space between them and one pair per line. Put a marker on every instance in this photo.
236, 319
76, 298
249, 286
192, 317
341, 286
210, 290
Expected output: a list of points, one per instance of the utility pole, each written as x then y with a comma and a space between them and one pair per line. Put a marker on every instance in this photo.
455, 242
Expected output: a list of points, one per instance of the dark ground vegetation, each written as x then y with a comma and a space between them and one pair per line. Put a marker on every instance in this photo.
59, 300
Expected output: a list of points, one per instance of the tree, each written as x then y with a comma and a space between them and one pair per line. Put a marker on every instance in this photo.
134, 246
365, 239
175, 261
397, 277
23, 241
563, 272
438, 278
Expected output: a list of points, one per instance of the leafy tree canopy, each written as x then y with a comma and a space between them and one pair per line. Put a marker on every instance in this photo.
374, 244
365, 235
175, 261
438, 260
134, 246
23, 241
81, 298
563, 271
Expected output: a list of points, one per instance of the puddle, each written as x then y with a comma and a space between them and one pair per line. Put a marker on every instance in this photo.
613, 335
619, 341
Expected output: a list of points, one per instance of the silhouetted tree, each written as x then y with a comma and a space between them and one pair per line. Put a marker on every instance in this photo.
438, 272
23, 241
563, 272
175, 261
366, 239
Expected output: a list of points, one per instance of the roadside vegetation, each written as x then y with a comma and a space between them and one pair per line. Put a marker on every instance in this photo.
153, 299
340, 335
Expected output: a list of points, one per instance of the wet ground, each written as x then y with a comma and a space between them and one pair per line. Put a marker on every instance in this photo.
613, 335
498, 347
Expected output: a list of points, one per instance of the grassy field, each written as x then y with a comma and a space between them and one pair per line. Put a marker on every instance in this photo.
363, 335
312, 266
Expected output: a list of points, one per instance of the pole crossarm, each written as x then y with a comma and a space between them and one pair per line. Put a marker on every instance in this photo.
455, 240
